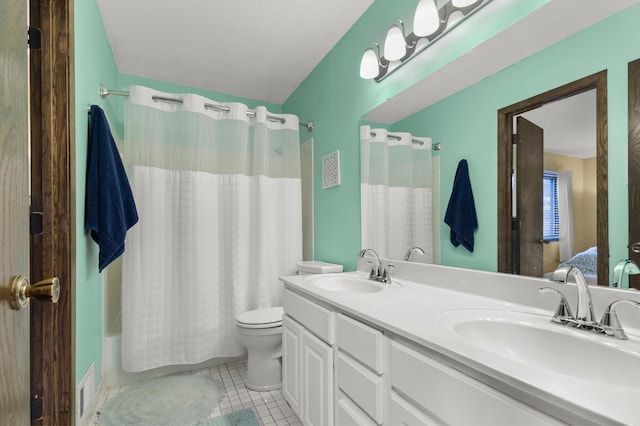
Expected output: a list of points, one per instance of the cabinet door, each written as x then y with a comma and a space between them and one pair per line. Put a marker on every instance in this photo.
292, 363
317, 381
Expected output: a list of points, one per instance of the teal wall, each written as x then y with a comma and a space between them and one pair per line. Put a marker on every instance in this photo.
335, 97
94, 64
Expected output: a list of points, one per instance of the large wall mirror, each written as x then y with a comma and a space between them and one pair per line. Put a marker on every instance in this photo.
477, 120
569, 138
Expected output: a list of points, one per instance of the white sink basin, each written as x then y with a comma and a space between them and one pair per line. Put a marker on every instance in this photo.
538, 344
341, 283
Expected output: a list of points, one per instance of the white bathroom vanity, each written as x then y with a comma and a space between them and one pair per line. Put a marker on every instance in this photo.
442, 345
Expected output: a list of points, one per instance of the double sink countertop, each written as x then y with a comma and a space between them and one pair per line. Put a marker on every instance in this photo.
496, 328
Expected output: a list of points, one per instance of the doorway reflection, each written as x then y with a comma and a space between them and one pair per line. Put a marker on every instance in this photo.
554, 205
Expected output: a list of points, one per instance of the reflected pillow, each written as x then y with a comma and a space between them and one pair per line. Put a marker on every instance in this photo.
586, 261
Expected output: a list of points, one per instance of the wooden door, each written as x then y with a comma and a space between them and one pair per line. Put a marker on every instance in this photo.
634, 168
53, 200
14, 211
529, 169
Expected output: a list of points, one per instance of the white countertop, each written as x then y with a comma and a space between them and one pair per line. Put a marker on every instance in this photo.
418, 311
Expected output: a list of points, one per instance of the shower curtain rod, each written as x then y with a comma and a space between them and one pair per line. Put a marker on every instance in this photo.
434, 147
104, 92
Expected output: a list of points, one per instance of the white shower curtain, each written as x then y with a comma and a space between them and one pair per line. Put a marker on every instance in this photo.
219, 199
395, 193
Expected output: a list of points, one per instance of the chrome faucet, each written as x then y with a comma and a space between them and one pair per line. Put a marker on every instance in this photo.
377, 273
410, 252
585, 317
563, 314
625, 266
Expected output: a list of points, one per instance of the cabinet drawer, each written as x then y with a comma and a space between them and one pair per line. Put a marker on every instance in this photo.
361, 385
360, 341
316, 318
348, 413
403, 413
441, 390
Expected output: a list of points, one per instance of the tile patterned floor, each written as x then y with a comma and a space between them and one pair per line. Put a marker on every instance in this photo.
270, 407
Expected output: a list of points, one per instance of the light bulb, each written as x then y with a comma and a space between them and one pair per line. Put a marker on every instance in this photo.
394, 44
426, 21
369, 67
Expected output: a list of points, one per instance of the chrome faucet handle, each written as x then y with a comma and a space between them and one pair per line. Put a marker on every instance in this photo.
610, 321
373, 272
563, 314
386, 274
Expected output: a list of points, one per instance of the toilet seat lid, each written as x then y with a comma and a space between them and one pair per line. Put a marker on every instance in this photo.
261, 318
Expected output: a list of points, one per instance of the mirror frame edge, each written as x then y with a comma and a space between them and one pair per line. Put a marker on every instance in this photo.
596, 81
633, 158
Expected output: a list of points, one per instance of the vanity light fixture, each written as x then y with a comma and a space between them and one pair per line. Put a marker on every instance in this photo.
430, 22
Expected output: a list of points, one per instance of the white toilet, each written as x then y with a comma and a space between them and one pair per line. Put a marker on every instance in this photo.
260, 331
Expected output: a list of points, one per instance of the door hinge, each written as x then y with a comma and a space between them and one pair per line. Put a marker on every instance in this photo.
34, 37
515, 139
36, 407
515, 224
35, 223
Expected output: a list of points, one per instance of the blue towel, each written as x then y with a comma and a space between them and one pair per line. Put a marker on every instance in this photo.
461, 211
109, 206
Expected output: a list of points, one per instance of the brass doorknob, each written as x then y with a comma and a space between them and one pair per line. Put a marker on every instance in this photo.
47, 290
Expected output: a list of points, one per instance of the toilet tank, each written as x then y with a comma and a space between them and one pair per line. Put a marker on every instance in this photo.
308, 267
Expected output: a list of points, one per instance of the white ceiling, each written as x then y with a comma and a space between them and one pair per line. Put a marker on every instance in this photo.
260, 50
